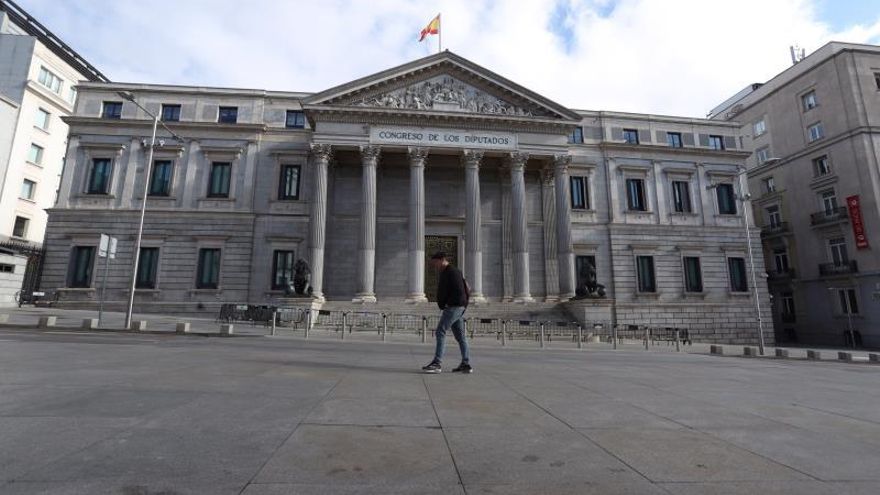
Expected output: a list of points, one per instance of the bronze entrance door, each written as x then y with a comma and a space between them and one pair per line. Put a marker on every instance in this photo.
434, 243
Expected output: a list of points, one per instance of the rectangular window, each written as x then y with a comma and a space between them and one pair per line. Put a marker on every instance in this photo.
774, 218
50, 80
631, 136
19, 229
282, 269
288, 183
736, 268
35, 155
848, 302
816, 132
208, 274
579, 198
821, 166
160, 179
27, 189
769, 184
42, 119
681, 196
99, 176
171, 113
71, 95
645, 273
693, 277
80, 271
295, 119
218, 185
780, 259
877, 80
762, 155
635, 195
112, 110
788, 304
585, 271
673, 139
716, 142
829, 202
760, 127
809, 101
227, 115
726, 199
839, 256
148, 266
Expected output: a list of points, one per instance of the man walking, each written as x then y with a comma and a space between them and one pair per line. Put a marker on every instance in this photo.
452, 298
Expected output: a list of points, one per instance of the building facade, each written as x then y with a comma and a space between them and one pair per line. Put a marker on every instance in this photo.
365, 180
815, 177
37, 89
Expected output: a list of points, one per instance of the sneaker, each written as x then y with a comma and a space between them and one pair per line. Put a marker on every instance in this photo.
463, 368
433, 367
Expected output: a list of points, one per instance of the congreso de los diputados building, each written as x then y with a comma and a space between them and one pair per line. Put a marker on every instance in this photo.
608, 216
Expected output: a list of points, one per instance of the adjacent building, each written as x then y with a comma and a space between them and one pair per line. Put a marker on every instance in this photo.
365, 180
38, 78
815, 182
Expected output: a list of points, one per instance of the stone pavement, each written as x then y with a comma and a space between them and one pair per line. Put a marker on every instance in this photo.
92, 413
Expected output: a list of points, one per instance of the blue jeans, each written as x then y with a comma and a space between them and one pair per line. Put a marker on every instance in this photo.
451, 317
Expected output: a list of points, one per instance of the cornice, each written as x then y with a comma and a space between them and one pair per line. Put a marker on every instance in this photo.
182, 127
677, 152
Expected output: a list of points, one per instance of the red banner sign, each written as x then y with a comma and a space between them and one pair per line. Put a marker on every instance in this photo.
858, 224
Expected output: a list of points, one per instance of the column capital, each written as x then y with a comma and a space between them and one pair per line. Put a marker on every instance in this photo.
548, 174
321, 151
517, 159
561, 161
471, 158
370, 154
417, 156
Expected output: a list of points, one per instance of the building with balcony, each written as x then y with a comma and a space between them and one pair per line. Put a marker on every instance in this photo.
815, 176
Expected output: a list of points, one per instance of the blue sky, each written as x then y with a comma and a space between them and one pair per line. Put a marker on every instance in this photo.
677, 57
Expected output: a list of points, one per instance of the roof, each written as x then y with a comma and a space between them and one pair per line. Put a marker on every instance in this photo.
31, 26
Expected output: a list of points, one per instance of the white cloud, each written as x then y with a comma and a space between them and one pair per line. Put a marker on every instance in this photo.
655, 56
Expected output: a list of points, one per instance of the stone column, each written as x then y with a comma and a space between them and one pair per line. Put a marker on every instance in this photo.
473, 224
567, 280
367, 243
519, 227
506, 245
321, 154
417, 158
548, 217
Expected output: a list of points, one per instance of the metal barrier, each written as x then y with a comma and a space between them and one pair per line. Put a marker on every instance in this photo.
246, 312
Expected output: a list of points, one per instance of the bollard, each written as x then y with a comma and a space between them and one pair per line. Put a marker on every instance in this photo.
580, 337
646, 338
182, 327
542, 335
308, 322
344, 324
750, 351
782, 353
814, 355
503, 333
89, 323
614, 335
874, 357
716, 349
4, 318
424, 329
384, 326
274, 317
139, 326
845, 356
677, 340
47, 321
226, 329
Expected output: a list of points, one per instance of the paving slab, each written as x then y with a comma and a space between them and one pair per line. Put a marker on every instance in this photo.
374, 411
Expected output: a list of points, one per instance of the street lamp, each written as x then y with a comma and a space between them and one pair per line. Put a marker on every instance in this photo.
746, 211
147, 170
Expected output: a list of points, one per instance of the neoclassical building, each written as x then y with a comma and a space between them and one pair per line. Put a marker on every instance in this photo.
365, 180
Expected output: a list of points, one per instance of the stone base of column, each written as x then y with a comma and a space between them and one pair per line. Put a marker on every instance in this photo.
523, 299
478, 299
364, 298
566, 297
552, 298
416, 298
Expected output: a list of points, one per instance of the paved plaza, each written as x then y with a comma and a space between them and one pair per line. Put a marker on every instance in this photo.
93, 413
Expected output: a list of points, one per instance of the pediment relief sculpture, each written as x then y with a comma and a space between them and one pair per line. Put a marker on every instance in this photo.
445, 93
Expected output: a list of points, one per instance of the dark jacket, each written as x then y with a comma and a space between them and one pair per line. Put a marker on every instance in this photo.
450, 288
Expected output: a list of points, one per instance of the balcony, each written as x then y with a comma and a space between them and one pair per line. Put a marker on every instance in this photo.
833, 215
829, 269
780, 274
774, 229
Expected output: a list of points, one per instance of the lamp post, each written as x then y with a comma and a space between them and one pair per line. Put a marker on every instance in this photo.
140, 232
743, 197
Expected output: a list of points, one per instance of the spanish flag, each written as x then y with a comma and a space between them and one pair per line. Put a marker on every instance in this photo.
433, 27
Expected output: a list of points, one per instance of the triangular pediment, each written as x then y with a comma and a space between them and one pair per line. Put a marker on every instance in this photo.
443, 83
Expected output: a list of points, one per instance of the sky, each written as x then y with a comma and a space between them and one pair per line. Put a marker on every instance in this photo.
671, 57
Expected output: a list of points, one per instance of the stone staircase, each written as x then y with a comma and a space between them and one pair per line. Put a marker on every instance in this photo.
536, 311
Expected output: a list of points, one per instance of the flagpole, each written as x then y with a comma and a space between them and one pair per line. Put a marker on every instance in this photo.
439, 34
